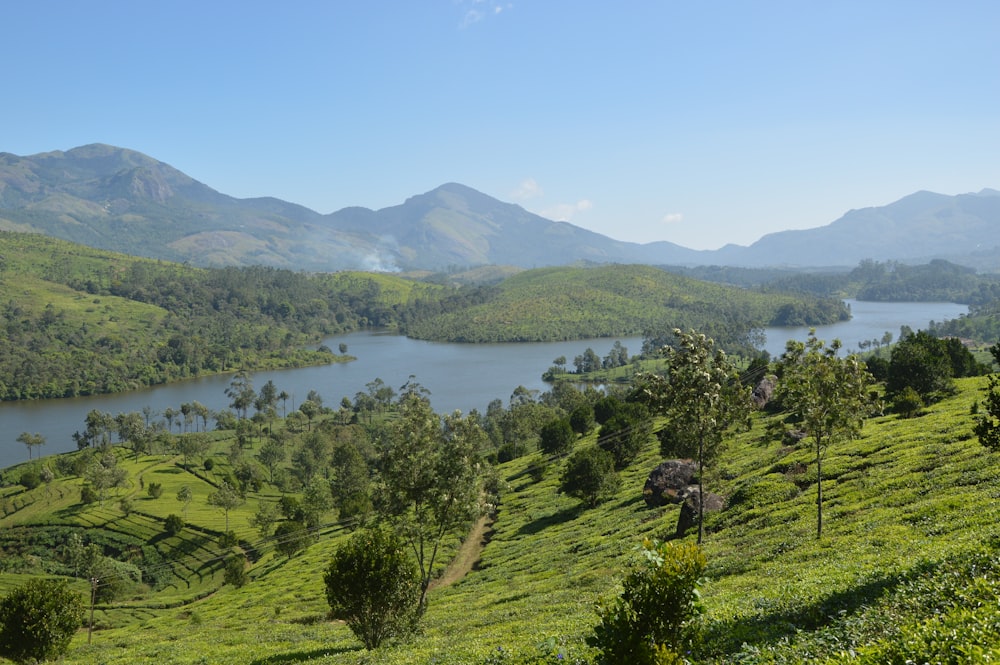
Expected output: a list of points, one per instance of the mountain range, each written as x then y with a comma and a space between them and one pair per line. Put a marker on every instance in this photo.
122, 200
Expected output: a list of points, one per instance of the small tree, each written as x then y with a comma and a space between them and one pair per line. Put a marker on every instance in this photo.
226, 498
556, 437
702, 398
373, 586
828, 395
184, 495
173, 524
590, 475
651, 622
38, 620
30, 440
236, 570
987, 427
291, 537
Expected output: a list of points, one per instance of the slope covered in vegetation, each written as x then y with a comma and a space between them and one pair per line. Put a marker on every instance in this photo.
908, 566
550, 304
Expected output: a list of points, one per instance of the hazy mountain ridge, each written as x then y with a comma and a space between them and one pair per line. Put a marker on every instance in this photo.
122, 200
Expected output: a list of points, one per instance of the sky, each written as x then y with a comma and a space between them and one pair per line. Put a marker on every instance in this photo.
698, 122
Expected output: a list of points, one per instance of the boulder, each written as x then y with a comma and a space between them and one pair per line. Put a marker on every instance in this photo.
763, 391
668, 481
689, 508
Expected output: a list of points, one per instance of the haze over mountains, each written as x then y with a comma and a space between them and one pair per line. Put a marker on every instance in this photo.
118, 199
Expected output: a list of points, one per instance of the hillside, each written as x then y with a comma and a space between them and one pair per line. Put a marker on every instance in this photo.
548, 304
121, 200
909, 550
82, 321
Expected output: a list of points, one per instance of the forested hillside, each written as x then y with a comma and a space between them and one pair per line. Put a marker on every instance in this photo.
79, 321
601, 301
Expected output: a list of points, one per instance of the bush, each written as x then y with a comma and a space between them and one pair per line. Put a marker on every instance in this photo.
173, 524
88, 494
373, 586
652, 621
590, 475
291, 538
209, 464
556, 437
155, 490
38, 620
30, 479
907, 402
236, 571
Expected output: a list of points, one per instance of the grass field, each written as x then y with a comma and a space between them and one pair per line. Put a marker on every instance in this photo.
908, 558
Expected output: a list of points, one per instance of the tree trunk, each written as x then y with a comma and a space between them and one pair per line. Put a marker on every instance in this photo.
819, 492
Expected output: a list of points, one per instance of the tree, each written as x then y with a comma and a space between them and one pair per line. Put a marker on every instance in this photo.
590, 476
290, 538
373, 586
651, 621
351, 480
184, 495
241, 393
310, 410
430, 480
38, 620
191, 446
987, 425
556, 437
625, 433
827, 395
702, 397
225, 498
271, 454
30, 440
173, 524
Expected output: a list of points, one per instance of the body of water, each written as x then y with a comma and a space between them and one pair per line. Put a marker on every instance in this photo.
459, 376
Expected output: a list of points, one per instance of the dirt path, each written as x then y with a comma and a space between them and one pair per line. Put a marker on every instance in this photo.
468, 554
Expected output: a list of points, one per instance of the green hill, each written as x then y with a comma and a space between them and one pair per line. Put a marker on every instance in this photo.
909, 561
548, 304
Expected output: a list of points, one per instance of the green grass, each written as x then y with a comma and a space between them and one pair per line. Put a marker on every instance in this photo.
910, 509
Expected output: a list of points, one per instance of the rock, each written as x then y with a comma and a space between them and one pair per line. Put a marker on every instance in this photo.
763, 392
689, 509
668, 481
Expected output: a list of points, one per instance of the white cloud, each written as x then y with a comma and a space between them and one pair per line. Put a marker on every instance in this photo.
672, 218
564, 212
477, 10
528, 189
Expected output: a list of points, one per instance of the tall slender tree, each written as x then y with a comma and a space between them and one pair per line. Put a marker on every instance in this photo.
702, 398
826, 394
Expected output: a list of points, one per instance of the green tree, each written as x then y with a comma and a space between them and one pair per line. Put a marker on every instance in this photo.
625, 433
556, 437
38, 619
30, 440
184, 495
374, 587
271, 454
351, 481
987, 425
702, 397
651, 622
173, 524
235, 572
590, 475
291, 537
225, 498
430, 480
827, 395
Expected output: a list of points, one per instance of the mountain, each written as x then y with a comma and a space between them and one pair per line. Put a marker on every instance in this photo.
119, 199
917, 228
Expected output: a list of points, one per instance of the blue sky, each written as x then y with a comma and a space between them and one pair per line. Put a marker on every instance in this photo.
697, 122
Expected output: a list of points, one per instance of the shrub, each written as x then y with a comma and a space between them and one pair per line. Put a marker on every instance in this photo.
651, 622
290, 538
88, 494
30, 479
38, 620
209, 464
556, 437
155, 490
582, 419
173, 524
236, 571
907, 402
590, 475
373, 586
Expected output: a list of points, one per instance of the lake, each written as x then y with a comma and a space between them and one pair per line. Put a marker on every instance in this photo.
459, 376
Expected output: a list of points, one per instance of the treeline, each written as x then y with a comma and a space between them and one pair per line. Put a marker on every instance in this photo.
891, 281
